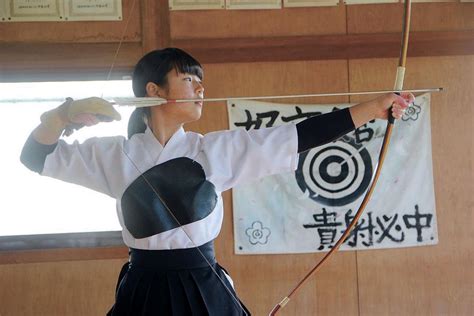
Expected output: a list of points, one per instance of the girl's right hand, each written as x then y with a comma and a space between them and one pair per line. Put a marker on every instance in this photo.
73, 115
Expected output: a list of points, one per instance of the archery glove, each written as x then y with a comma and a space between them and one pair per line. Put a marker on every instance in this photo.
67, 117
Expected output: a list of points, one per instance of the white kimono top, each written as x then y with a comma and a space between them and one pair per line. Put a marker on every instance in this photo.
186, 176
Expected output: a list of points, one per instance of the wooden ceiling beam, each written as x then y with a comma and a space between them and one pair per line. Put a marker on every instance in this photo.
61, 61
326, 47
86, 61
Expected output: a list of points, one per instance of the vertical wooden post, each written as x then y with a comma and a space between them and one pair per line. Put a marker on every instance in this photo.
155, 24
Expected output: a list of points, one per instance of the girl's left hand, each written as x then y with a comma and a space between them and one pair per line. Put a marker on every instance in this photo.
398, 103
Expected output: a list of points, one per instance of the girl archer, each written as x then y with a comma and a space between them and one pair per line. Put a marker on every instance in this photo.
168, 182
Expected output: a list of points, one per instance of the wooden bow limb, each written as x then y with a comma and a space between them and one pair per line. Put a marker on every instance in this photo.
378, 168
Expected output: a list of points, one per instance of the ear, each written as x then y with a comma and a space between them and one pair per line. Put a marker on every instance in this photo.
153, 90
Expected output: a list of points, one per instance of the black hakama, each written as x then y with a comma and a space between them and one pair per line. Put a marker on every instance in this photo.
175, 282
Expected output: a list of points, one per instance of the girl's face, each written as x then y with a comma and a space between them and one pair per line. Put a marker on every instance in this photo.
180, 86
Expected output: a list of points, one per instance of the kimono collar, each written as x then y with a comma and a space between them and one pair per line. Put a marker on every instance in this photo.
155, 147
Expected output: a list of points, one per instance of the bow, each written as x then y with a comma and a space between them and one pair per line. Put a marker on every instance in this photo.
383, 151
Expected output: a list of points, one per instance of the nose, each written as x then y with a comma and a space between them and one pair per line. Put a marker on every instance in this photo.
199, 88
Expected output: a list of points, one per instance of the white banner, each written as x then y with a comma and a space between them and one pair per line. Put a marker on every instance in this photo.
308, 210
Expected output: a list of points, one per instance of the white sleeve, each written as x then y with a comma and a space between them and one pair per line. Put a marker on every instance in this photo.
95, 164
239, 156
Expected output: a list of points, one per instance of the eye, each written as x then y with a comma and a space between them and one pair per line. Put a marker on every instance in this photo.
189, 79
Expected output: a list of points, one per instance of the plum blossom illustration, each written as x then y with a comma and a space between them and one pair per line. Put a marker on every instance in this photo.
257, 233
412, 112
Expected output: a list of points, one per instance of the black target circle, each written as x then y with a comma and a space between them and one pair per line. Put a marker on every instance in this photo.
335, 174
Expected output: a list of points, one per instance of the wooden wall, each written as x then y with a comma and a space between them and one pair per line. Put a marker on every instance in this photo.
435, 280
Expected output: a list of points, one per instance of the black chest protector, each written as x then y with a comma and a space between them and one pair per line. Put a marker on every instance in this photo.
181, 184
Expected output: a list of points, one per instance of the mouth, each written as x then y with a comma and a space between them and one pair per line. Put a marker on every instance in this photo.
198, 103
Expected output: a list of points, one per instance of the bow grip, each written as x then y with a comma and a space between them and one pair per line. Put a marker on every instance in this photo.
391, 119
398, 86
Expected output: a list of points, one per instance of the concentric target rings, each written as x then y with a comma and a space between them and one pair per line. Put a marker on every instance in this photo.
335, 174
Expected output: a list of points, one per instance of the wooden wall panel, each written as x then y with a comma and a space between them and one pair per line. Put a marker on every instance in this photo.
257, 23
434, 280
75, 288
22, 62
61, 51
75, 32
262, 281
243, 79
49, 51
317, 21
425, 17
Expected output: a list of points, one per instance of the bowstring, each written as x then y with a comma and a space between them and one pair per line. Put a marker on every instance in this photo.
185, 232
234, 298
119, 46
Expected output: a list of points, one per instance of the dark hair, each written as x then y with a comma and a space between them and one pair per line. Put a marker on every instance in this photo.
154, 67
